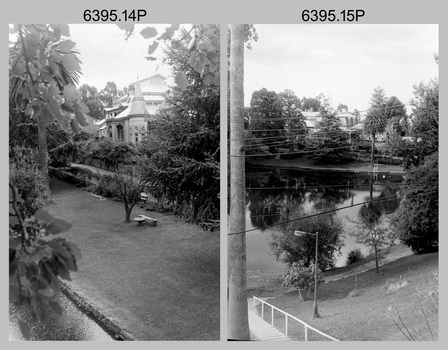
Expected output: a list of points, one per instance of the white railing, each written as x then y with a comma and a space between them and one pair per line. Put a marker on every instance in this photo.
288, 316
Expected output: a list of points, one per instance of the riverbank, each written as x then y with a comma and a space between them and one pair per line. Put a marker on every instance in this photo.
310, 164
143, 282
362, 306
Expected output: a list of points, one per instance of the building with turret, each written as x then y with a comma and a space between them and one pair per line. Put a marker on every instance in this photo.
129, 118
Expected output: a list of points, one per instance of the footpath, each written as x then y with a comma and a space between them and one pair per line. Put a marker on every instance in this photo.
141, 282
309, 164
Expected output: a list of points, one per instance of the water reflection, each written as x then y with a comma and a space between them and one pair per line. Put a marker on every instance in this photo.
272, 195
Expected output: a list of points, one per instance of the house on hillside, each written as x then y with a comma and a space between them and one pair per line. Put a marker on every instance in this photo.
129, 118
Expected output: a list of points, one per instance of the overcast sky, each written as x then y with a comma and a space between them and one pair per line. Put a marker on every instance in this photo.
345, 62
107, 56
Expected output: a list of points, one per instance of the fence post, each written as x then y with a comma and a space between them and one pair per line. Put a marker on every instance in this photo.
272, 316
262, 310
306, 333
286, 324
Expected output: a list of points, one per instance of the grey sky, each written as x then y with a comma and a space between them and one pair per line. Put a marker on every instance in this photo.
345, 62
107, 56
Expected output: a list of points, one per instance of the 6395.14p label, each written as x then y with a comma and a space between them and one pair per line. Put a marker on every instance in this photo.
113, 15
332, 15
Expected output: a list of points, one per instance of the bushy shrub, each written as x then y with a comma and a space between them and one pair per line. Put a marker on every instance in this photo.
302, 278
26, 177
353, 256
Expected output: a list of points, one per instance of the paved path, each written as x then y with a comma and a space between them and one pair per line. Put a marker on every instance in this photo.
261, 330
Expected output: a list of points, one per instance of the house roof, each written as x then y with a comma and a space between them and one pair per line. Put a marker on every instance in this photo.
136, 107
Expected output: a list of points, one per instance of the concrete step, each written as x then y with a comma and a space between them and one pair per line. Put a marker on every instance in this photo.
263, 331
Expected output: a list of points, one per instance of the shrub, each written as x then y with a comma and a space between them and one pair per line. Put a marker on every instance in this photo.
353, 256
29, 181
301, 277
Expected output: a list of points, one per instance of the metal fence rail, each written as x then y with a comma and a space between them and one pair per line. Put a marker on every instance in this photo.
287, 317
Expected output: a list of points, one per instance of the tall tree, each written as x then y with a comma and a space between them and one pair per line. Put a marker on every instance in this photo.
183, 166
396, 127
44, 69
312, 104
342, 108
294, 120
238, 323
373, 230
417, 218
425, 122
109, 93
375, 121
91, 98
266, 120
329, 142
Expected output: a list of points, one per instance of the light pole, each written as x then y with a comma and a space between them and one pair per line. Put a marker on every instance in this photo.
300, 234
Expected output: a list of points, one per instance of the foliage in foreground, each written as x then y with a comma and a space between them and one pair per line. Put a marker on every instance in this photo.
182, 168
36, 259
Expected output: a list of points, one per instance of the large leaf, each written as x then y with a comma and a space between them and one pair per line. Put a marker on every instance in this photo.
148, 32
128, 27
153, 47
66, 45
71, 62
216, 79
71, 93
56, 307
46, 116
208, 78
64, 253
80, 117
54, 225
181, 81
55, 109
64, 29
25, 329
75, 126
19, 68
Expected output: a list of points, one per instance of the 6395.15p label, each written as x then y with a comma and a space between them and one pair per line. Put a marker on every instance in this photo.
332, 15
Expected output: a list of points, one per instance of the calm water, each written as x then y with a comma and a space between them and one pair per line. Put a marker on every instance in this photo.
270, 191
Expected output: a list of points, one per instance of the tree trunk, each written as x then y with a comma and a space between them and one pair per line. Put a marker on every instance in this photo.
377, 266
238, 322
373, 148
42, 153
128, 213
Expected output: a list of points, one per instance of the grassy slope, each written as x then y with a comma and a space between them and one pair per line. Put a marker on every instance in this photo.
160, 282
364, 317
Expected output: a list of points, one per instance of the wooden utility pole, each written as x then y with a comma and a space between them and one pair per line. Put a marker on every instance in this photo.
238, 323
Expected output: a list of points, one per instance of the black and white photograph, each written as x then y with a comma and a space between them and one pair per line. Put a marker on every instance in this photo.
114, 180
333, 229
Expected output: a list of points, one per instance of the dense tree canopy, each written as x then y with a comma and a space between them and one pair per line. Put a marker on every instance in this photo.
329, 142
417, 219
289, 248
265, 116
183, 166
91, 98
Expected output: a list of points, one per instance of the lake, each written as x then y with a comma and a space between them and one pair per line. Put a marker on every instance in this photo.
270, 191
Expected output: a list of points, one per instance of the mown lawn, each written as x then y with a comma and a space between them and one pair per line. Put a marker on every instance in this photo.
362, 315
159, 282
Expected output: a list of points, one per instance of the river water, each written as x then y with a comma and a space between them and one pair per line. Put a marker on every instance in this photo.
269, 191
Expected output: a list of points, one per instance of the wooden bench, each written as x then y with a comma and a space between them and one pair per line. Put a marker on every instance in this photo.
142, 218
